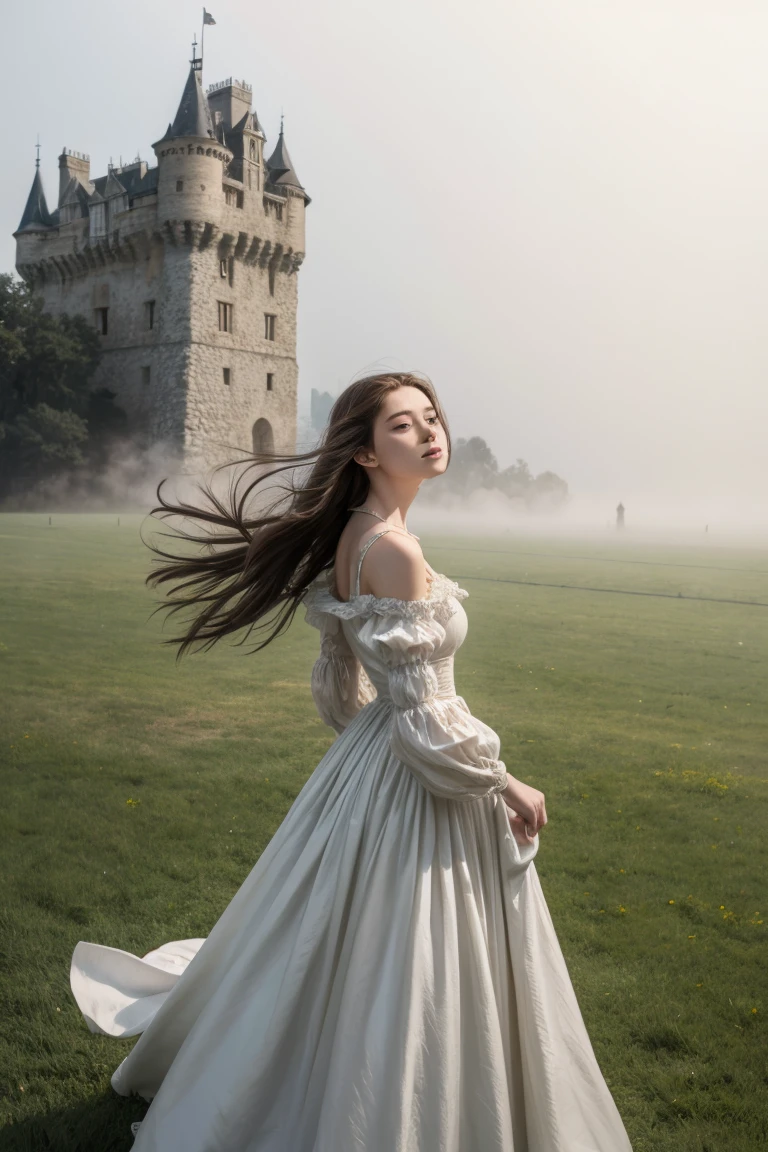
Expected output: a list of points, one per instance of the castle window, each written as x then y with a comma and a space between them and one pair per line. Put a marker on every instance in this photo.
179, 185
227, 376
225, 316
269, 326
233, 197
145, 374
253, 149
223, 269
270, 381
102, 322
149, 307
98, 219
271, 273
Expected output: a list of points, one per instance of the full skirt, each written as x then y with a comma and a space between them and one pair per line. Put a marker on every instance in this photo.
386, 979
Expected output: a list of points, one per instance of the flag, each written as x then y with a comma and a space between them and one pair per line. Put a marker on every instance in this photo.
207, 18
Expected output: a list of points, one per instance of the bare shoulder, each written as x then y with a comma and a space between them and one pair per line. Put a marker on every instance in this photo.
394, 566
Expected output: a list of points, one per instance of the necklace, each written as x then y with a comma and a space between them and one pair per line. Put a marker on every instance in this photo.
370, 512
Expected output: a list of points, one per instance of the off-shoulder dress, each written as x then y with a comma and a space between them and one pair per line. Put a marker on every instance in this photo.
387, 977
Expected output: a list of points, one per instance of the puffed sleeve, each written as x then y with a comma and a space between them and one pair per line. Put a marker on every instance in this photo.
340, 686
449, 750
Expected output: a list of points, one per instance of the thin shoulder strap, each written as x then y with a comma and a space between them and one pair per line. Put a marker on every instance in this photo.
363, 551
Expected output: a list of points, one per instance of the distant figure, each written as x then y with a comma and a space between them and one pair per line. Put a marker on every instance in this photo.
706, 527
620, 516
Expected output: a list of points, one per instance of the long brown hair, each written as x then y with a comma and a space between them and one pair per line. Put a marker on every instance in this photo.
263, 564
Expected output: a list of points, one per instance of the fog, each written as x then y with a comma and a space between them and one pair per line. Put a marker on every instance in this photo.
556, 210
130, 482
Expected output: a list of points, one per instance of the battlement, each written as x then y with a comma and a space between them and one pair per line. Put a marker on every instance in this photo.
187, 267
230, 83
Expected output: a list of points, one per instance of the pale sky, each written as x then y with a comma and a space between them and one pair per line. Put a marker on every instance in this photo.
555, 208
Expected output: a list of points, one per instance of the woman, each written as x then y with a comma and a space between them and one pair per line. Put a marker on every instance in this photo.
387, 978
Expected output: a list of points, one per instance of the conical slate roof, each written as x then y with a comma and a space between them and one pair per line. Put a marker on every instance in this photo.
36, 215
281, 170
194, 116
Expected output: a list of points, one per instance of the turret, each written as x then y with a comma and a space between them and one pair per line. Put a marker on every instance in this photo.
281, 170
36, 217
190, 158
283, 181
188, 270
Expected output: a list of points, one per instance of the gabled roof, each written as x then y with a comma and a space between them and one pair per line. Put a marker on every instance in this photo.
75, 199
130, 181
36, 215
249, 123
194, 116
112, 187
75, 193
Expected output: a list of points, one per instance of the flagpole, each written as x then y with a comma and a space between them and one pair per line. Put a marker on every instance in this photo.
202, 49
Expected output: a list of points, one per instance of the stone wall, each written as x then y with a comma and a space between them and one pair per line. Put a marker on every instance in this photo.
223, 415
169, 249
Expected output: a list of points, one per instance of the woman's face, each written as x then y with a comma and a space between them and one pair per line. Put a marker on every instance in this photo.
406, 428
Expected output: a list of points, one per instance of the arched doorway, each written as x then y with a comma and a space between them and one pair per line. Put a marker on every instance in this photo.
263, 436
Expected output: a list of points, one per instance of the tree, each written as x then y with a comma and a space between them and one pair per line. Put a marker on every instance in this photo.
472, 466
47, 436
51, 419
547, 491
515, 480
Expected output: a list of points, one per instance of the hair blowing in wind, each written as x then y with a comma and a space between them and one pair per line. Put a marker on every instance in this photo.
253, 568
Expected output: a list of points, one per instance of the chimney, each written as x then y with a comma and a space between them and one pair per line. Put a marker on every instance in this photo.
75, 164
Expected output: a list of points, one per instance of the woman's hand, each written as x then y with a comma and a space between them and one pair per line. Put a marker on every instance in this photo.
527, 811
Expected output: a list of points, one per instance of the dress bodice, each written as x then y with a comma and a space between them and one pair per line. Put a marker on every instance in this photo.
399, 654
442, 656
442, 600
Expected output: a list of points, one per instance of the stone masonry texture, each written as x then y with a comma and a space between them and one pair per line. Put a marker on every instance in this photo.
163, 250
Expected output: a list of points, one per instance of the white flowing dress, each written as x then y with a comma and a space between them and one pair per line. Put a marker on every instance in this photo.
387, 978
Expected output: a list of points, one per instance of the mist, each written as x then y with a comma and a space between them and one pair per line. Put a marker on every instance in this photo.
555, 210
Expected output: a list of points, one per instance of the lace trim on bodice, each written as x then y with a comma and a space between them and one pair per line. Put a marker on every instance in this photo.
439, 604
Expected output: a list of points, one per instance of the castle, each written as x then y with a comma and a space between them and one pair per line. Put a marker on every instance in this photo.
189, 272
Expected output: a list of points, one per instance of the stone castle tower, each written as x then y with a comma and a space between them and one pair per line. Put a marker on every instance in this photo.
188, 270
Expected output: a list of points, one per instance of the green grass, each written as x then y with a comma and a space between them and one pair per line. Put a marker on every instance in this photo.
138, 794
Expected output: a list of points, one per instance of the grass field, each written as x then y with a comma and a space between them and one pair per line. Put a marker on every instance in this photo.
138, 793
